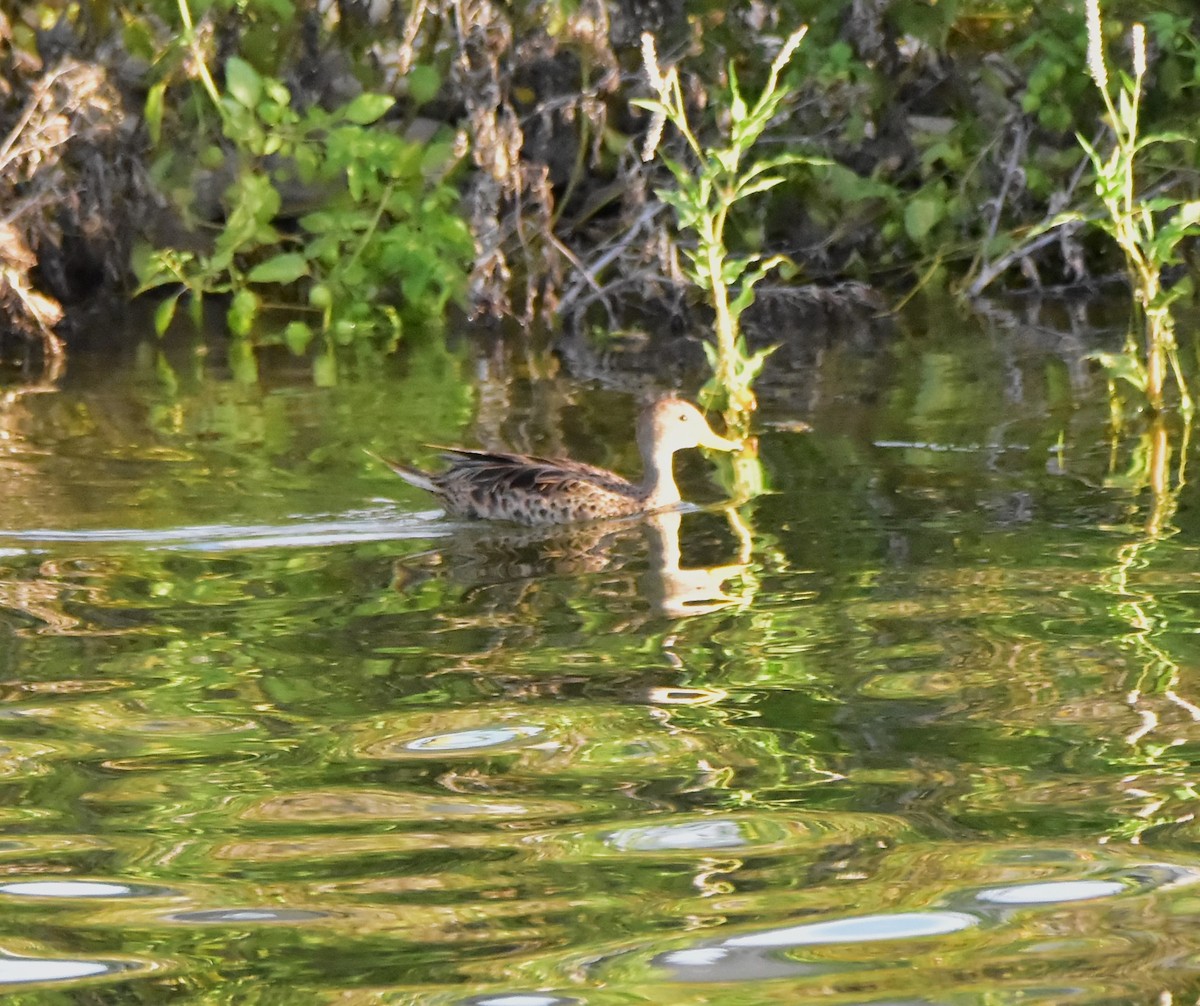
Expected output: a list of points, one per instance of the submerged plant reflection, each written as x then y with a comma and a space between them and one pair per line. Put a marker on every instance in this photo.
1156, 778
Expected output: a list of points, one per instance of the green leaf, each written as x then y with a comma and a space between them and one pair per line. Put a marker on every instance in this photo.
757, 185
745, 296
242, 361
1188, 215
921, 214
367, 107
325, 370
683, 179
847, 187
212, 157
1055, 117
1123, 366
153, 267
270, 113
727, 159
320, 222
242, 81
164, 314
284, 268
320, 296
1092, 153
154, 110
734, 266
139, 40
276, 92
1169, 136
356, 178
780, 160
737, 107
424, 82
243, 309
649, 105
436, 157
1127, 112
751, 366
1183, 289
297, 335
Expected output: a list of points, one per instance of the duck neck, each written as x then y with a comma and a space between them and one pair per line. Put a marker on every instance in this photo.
658, 482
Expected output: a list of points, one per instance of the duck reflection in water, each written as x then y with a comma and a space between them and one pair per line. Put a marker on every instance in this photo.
511, 565
675, 592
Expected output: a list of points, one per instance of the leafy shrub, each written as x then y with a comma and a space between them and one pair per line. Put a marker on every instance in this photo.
385, 242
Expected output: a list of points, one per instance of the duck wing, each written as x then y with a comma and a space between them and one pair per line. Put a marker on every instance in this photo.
496, 472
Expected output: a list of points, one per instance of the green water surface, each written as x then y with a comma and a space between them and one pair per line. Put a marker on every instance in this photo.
918, 726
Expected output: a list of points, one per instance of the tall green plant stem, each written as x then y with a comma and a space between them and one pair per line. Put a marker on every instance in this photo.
1146, 245
705, 191
1131, 224
206, 78
740, 400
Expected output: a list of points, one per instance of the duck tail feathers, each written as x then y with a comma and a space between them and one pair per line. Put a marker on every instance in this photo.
413, 476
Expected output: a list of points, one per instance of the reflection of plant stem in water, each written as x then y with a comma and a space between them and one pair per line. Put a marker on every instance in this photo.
1150, 468
1158, 672
742, 531
1163, 503
708, 878
748, 478
743, 478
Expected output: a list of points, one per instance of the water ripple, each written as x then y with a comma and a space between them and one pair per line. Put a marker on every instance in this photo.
303, 532
347, 806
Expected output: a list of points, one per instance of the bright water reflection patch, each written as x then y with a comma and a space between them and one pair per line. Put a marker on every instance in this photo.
240, 916
1136, 880
16, 970
47, 970
749, 957
864, 929
715, 834
476, 739
1054, 892
81, 889
518, 999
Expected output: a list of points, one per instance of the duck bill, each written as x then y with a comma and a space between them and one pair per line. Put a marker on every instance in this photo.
717, 443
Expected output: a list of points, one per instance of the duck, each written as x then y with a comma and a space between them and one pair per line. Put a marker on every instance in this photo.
535, 491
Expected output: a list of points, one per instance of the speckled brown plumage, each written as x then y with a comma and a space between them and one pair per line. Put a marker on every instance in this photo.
534, 491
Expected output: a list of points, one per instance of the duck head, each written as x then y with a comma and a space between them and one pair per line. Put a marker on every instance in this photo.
671, 425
